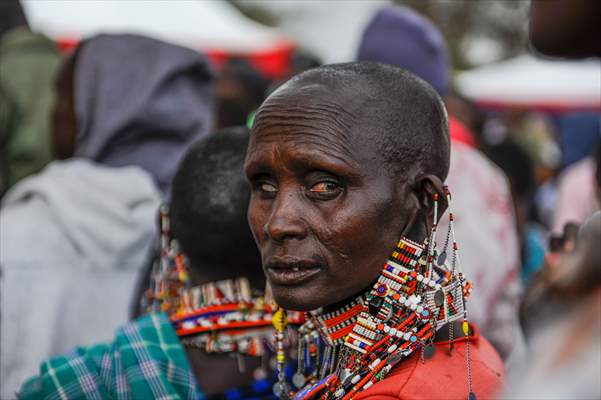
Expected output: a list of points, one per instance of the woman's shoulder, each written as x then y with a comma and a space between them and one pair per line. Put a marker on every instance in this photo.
444, 375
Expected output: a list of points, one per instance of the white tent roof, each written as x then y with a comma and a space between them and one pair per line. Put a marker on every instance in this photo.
206, 24
532, 82
331, 30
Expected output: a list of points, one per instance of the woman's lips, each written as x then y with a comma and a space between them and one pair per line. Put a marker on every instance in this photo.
291, 272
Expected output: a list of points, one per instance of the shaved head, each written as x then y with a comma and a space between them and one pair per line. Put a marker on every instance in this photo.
342, 159
384, 104
208, 209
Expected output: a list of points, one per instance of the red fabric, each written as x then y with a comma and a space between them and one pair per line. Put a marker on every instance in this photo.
443, 376
274, 63
460, 133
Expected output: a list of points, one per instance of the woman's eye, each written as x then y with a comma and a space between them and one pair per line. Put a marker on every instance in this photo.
324, 187
267, 187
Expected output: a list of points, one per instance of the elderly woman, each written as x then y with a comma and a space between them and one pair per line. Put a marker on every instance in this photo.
343, 161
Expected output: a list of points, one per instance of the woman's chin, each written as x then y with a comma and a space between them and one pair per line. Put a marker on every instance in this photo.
294, 299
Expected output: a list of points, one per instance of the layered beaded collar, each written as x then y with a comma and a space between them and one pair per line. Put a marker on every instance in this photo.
217, 317
362, 341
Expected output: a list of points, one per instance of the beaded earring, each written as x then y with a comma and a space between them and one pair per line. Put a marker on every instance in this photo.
170, 272
280, 321
466, 291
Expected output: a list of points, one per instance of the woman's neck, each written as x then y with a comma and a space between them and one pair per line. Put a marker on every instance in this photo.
341, 304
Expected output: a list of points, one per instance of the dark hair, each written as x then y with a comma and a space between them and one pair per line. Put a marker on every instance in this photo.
11, 15
209, 200
405, 115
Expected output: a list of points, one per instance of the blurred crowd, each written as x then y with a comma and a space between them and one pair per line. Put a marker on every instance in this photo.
94, 140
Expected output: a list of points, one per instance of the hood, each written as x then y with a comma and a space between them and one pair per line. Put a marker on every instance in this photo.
106, 215
140, 101
401, 37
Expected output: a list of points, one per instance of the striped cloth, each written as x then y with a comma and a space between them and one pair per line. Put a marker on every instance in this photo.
146, 361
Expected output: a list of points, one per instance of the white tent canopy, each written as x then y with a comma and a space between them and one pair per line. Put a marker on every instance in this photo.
206, 24
526, 81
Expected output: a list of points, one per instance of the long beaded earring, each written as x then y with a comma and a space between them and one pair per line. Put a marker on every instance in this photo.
427, 348
432, 239
170, 274
466, 288
442, 258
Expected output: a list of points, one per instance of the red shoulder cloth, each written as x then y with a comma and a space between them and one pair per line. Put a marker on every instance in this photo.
443, 376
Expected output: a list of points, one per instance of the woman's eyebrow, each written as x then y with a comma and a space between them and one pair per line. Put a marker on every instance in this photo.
253, 168
334, 164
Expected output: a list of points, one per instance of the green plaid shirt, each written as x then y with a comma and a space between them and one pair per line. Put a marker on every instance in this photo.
146, 361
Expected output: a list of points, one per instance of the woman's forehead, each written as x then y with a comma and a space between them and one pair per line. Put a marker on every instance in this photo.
311, 110
302, 143
315, 125
315, 117
299, 156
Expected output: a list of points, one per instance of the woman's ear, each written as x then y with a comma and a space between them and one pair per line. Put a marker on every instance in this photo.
427, 187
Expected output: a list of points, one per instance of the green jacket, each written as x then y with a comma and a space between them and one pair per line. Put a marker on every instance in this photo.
28, 63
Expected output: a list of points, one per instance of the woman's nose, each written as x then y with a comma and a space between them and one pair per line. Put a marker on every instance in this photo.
285, 221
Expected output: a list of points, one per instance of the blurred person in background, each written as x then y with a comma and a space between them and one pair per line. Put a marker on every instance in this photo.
481, 194
577, 191
239, 91
536, 136
562, 307
207, 213
75, 236
206, 224
562, 311
580, 139
573, 31
28, 62
519, 168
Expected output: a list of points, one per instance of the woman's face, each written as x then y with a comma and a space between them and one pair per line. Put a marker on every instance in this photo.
324, 210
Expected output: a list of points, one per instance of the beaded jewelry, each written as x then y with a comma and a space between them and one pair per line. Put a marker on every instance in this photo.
412, 299
169, 274
218, 317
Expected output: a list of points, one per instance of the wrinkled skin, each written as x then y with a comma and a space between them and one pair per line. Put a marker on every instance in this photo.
323, 199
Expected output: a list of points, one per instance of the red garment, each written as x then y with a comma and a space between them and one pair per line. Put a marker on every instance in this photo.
443, 376
460, 133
